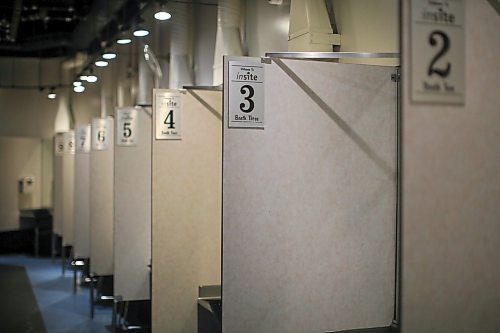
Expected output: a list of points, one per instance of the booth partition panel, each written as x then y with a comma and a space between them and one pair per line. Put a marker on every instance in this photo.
132, 240
186, 211
101, 199
82, 205
309, 201
68, 198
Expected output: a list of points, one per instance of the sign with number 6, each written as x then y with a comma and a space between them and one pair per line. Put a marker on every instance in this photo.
100, 133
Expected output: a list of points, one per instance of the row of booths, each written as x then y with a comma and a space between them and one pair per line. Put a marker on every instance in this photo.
267, 204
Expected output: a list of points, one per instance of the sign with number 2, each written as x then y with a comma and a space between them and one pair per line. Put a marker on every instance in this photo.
438, 51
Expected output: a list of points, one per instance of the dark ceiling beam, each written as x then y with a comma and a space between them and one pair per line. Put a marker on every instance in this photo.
16, 18
102, 13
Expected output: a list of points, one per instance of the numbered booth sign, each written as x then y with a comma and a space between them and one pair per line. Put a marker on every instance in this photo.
438, 49
59, 144
126, 127
69, 142
246, 94
100, 134
167, 106
82, 138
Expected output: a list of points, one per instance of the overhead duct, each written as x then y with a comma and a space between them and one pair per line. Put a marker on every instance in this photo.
181, 72
310, 27
228, 40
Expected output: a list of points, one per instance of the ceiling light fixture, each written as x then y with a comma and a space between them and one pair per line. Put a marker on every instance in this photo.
51, 94
108, 55
123, 40
91, 78
77, 83
162, 14
79, 89
140, 32
83, 77
100, 63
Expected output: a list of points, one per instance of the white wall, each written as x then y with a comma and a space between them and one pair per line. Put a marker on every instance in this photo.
451, 192
19, 157
132, 218
266, 27
368, 26
309, 202
28, 112
186, 207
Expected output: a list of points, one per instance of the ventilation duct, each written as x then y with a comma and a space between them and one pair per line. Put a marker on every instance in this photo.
310, 27
228, 40
63, 118
181, 72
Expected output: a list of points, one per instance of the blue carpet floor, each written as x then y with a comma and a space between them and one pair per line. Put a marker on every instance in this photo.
62, 311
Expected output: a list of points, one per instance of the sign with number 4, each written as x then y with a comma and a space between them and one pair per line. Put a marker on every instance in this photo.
246, 94
438, 49
167, 106
126, 127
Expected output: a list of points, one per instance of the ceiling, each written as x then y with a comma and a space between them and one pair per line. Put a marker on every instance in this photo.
54, 28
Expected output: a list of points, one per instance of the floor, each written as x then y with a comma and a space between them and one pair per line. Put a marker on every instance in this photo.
61, 310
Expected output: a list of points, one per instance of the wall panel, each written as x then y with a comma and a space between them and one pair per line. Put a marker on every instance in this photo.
132, 239
186, 213
101, 207
309, 202
451, 192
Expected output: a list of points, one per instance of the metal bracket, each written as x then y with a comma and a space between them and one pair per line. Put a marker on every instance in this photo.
396, 77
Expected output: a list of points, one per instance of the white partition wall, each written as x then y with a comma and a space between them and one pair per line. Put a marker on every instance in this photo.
63, 185
82, 193
132, 228
68, 187
58, 184
186, 212
309, 202
101, 197
451, 187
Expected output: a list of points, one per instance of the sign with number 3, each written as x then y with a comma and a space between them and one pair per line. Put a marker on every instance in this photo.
438, 49
246, 94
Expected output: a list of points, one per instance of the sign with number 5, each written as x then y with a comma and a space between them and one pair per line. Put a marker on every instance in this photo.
246, 94
437, 43
126, 127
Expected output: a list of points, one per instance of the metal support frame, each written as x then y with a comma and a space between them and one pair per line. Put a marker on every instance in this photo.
332, 55
114, 317
91, 290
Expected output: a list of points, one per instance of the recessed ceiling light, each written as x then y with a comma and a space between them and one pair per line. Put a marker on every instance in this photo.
123, 40
79, 89
108, 55
77, 83
91, 78
101, 63
162, 14
140, 32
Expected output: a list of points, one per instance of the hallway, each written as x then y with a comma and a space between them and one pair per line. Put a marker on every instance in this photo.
54, 308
